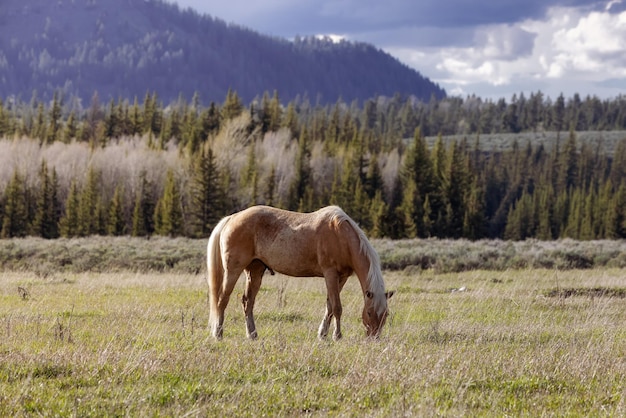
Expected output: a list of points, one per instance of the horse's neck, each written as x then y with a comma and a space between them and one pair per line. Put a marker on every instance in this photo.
361, 268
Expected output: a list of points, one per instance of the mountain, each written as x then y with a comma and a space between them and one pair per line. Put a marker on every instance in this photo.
125, 48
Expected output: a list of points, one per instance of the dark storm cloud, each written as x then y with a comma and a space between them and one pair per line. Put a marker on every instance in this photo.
288, 18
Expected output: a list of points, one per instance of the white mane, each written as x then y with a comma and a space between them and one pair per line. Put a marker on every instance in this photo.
374, 275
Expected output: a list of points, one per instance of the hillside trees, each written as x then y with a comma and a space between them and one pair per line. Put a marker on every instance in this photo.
141, 168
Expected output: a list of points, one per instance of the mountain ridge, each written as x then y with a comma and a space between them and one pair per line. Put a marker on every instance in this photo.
125, 48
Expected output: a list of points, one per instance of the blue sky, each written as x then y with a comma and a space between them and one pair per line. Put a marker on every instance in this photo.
490, 48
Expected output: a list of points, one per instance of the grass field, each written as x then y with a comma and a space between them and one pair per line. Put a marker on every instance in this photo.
519, 342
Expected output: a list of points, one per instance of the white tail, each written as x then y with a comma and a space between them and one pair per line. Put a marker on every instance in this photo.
215, 275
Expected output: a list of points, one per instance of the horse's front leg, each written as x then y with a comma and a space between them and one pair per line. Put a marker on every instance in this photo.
254, 275
334, 284
323, 329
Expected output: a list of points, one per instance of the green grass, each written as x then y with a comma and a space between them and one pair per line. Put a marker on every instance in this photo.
136, 344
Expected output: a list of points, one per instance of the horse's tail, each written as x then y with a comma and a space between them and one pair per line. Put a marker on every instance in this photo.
215, 268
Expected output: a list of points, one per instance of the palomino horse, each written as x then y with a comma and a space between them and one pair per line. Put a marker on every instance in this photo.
326, 243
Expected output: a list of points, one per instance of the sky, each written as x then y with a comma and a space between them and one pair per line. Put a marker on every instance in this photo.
488, 48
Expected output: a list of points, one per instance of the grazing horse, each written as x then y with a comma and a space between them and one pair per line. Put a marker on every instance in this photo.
326, 243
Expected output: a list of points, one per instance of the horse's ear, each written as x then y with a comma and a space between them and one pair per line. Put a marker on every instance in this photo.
369, 294
390, 294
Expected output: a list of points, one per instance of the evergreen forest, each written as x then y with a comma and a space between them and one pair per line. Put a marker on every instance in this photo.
401, 168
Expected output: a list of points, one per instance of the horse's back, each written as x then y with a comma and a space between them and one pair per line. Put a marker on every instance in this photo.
292, 243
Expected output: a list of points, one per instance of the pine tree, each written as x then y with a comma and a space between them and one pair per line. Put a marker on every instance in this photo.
232, 106
191, 130
270, 187
169, 214
302, 175
568, 164
520, 225
117, 223
615, 218
275, 113
575, 214
561, 213
558, 113
544, 212
207, 205
361, 206
159, 214
112, 122
136, 119
374, 182
39, 128
15, 221
336, 191
46, 222
210, 121
408, 211
474, 222
458, 180
5, 121
139, 220
69, 224
89, 208
588, 224
53, 131
250, 169
93, 127
395, 217
143, 212
149, 110
290, 121
418, 178
438, 194
378, 215
70, 131
265, 113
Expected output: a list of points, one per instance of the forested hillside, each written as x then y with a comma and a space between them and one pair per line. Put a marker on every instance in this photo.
124, 48
144, 168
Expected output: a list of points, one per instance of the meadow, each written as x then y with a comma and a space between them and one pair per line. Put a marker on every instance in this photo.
475, 342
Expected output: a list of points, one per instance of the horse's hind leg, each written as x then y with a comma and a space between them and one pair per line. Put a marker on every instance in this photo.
217, 320
254, 274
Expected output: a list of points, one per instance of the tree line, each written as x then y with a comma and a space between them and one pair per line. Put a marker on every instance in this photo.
144, 168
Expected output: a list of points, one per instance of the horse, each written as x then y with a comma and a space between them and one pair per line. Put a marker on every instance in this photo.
326, 243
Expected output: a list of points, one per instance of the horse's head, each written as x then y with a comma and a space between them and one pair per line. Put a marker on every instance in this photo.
375, 313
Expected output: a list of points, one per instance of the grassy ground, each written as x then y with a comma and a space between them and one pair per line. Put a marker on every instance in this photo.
188, 256
510, 343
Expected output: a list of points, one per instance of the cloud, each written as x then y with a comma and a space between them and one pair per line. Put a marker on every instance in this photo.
569, 49
308, 17
595, 43
485, 47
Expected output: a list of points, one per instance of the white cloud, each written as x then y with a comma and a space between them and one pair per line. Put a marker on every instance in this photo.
505, 42
569, 49
591, 47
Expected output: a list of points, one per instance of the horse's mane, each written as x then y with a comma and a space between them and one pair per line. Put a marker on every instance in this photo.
374, 275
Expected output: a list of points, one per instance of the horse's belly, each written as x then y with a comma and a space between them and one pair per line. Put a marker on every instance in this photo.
291, 259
